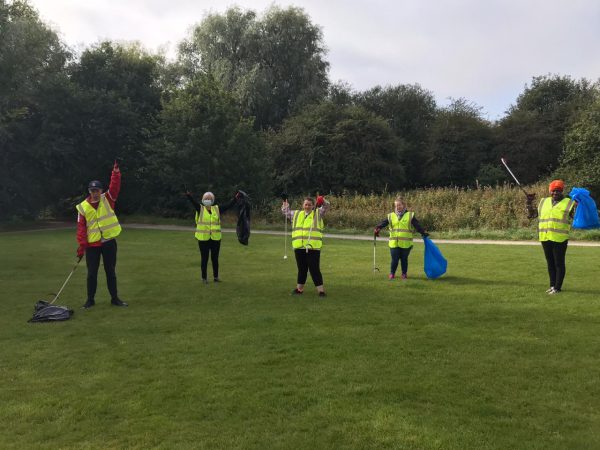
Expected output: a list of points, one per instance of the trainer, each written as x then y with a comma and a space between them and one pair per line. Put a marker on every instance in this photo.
97, 229
554, 214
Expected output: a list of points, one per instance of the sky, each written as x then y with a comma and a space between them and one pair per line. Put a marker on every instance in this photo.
486, 51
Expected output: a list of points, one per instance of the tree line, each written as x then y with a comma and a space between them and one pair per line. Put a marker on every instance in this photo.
248, 103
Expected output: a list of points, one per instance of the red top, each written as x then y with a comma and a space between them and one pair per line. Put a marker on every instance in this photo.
111, 196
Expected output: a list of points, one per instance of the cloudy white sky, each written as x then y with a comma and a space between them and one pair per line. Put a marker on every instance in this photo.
483, 50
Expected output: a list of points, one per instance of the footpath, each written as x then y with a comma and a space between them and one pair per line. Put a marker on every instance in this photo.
354, 237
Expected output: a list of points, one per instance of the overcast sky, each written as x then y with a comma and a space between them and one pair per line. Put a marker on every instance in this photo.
483, 50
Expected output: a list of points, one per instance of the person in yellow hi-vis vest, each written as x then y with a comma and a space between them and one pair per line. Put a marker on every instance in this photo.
402, 225
307, 240
97, 229
208, 231
554, 223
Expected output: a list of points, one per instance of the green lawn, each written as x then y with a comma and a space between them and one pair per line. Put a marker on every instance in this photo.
479, 359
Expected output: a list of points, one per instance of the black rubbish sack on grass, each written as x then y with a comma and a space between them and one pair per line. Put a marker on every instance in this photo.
46, 312
242, 228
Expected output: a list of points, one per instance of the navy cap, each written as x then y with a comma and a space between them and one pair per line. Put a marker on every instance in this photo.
95, 185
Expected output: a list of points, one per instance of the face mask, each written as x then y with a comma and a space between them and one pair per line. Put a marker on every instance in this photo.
207, 202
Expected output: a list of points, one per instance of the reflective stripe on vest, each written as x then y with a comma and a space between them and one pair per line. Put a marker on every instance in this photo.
102, 223
208, 226
401, 230
554, 223
307, 231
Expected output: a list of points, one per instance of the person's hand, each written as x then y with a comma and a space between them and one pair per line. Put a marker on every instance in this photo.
285, 204
116, 167
320, 201
530, 199
80, 251
425, 235
237, 195
376, 231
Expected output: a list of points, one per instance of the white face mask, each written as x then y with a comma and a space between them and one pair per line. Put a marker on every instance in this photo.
207, 202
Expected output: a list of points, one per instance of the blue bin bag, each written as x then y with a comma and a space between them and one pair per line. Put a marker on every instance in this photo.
586, 214
435, 264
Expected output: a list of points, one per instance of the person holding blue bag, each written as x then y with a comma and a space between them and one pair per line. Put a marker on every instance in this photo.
402, 225
554, 215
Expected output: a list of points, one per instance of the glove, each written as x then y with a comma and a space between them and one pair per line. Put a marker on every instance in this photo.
376, 231
80, 251
424, 235
320, 200
530, 199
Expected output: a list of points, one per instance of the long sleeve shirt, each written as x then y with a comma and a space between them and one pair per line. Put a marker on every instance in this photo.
111, 195
197, 205
289, 213
414, 222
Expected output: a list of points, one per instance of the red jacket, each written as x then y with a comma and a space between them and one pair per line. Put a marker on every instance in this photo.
111, 196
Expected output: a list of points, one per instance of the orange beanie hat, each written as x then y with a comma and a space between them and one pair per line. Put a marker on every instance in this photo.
557, 185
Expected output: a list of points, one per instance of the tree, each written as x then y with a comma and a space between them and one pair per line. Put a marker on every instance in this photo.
115, 114
207, 146
410, 111
532, 135
580, 163
461, 143
32, 61
336, 148
273, 65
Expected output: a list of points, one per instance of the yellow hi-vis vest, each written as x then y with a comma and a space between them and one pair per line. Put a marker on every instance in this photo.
307, 231
401, 230
553, 222
208, 226
102, 223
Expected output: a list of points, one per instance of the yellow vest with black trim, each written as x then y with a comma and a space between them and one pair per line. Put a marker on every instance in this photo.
401, 230
307, 231
554, 223
208, 226
102, 223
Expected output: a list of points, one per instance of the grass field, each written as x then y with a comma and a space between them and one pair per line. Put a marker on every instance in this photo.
480, 359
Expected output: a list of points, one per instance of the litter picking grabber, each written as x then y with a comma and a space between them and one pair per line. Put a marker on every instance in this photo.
513, 175
284, 198
375, 268
67, 280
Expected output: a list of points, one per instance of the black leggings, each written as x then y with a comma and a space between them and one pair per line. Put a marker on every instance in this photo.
555, 253
209, 247
399, 254
108, 252
309, 261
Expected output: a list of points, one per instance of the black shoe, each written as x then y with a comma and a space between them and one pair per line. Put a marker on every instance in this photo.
217, 280
204, 281
117, 302
322, 294
88, 304
297, 292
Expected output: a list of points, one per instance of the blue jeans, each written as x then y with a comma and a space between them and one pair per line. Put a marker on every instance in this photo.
399, 254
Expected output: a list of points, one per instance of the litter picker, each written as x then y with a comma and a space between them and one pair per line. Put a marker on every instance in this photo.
513, 175
375, 268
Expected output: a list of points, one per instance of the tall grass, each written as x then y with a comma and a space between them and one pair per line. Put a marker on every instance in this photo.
438, 209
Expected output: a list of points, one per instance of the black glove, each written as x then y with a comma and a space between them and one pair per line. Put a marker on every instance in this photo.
424, 235
530, 199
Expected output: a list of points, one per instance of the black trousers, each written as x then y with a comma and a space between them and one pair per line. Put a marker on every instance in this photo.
211, 248
555, 253
309, 261
108, 252
399, 254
